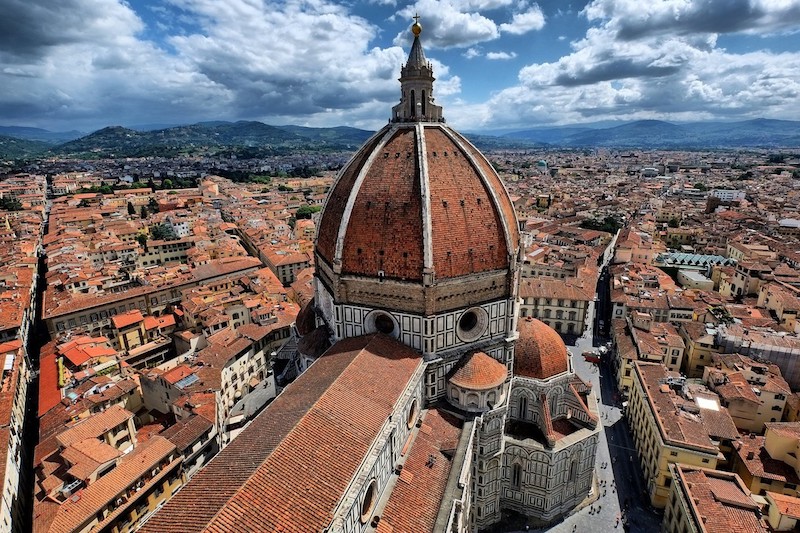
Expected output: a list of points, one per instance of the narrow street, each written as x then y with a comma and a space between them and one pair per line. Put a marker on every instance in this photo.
619, 481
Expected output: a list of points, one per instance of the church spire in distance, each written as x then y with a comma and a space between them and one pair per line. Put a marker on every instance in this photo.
416, 86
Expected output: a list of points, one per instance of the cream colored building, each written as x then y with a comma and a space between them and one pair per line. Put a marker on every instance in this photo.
561, 304
637, 338
782, 300
754, 393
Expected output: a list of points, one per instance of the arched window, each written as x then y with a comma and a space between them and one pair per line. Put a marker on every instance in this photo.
573, 470
413, 103
472, 399
523, 407
516, 475
423, 102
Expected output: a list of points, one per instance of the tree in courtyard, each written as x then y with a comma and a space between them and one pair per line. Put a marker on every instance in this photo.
305, 211
131, 210
141, 238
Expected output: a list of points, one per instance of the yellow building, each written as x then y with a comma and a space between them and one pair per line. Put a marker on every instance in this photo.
769, 463
671, 425
700, 345
129, 331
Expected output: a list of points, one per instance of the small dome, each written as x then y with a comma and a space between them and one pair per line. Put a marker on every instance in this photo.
478, 371
539, 353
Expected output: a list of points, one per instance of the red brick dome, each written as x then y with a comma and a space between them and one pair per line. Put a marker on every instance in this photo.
418, 199
539, 353
478, 371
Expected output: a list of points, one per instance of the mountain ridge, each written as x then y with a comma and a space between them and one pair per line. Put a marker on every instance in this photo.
248, 139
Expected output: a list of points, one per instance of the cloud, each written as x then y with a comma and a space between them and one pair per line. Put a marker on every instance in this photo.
449, 23
501, 55
31, 28
713, 85
471, 53
627, 66
307, 62
632, 19
521, 23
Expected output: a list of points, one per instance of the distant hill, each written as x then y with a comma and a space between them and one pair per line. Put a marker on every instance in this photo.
244, 139
38, 134
758, 133
13, 148
248, 139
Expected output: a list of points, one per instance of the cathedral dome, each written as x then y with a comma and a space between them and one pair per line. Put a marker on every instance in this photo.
479, 372
416, 200
418, 204
539, 353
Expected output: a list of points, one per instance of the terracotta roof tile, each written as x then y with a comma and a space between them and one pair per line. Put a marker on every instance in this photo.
539, 353
258, 483
787, 505
760, 464
87, 502
478, 371
127, 319
719, 501
385, 228
414, 503
186, 432
94, 426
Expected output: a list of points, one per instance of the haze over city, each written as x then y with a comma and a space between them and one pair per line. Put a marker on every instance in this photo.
500, 64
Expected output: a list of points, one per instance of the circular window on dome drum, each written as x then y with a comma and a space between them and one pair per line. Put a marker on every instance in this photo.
384, 324
368, 503
381, 322
472, 324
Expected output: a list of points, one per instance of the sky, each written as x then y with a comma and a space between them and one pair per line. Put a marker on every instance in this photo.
499, 64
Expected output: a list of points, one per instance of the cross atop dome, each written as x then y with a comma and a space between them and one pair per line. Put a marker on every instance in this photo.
416, 85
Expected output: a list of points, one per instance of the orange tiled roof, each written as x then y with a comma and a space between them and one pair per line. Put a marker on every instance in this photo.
539, 353
478, 371
257, 483
95, 426
416, 498
787, 505
127, 319
720, 501
49, 391
75, 512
